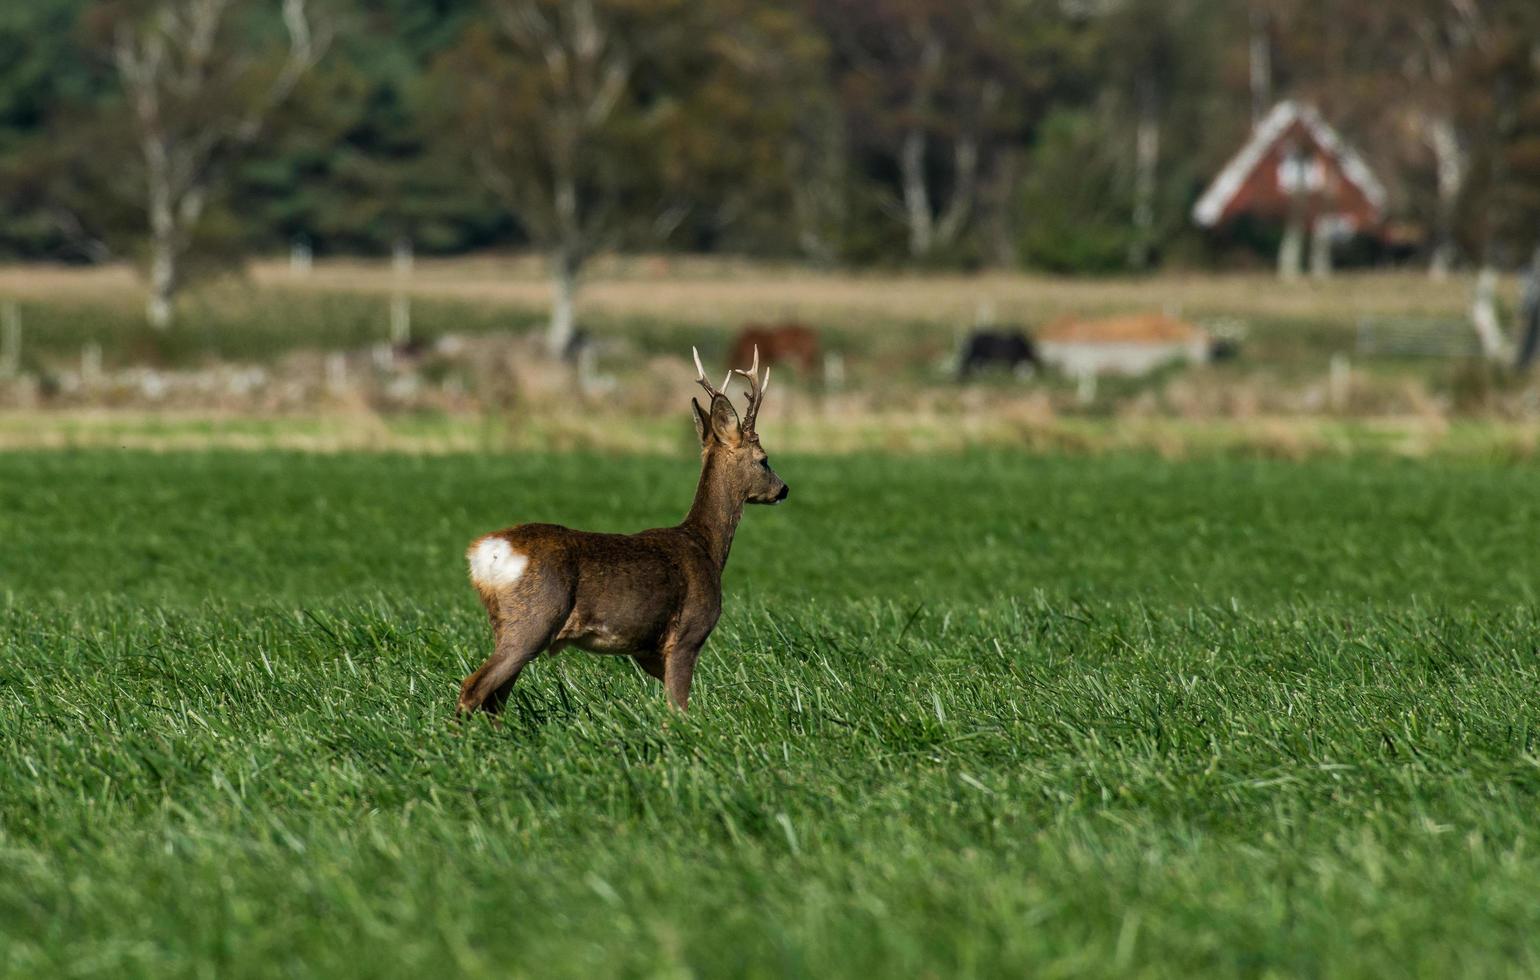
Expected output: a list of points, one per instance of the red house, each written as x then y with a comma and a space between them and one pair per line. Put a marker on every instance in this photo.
1297, 169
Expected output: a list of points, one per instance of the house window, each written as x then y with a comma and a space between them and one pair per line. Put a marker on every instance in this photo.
1298, 174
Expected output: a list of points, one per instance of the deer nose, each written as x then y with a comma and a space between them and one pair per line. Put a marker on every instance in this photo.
785, 492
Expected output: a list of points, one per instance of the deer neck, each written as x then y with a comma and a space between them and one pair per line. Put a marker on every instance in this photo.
715, 513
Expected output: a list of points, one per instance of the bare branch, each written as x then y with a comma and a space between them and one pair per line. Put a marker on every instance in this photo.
180, 73
306, 48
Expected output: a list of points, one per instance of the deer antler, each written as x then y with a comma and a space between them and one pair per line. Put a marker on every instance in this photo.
700, 377
757, 388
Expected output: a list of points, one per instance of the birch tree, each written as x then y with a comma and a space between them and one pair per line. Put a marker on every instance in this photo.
577, 61
925, 80
199, 91
1502, 114
1402, 73
1156, 58
1446, 33
609, 122
1259, 60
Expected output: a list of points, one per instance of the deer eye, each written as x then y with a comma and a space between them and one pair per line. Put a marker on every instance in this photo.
765, 462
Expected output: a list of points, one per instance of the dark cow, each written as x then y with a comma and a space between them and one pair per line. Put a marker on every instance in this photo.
996, 347
1529, 316
1224, 349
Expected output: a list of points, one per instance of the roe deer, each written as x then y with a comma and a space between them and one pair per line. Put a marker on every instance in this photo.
654, 595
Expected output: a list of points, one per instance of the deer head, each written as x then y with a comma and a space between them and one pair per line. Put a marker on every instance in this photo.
731, 448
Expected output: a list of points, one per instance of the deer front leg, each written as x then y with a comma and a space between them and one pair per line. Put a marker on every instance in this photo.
679, 658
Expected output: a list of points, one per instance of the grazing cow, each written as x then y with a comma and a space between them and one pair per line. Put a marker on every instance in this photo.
790, 343
996, 348
1224, 349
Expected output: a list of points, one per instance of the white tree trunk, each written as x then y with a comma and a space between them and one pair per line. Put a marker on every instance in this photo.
816, 165
911, 164
965, 169
563, 325
163, 279
964, 190
163, 231
1441, 261
1261, 57
1449, 158
1483, 316
170, 227
164, 63
1321, 249
998, 213
911, 154
1146, 162
1291, 250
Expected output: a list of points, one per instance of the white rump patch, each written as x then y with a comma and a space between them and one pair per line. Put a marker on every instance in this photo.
494, 563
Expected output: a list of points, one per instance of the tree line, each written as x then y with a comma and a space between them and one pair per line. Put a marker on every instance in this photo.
1063, 135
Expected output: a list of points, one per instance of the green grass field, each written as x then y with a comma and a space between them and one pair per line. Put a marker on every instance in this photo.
970, 716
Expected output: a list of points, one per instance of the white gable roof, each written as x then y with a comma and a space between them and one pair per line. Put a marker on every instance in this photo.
1230, 180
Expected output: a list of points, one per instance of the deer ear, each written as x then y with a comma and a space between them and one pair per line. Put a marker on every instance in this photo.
724, 422
702, 421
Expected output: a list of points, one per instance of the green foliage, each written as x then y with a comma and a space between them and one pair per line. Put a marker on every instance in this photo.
355, 165
973, 716
41, 69
38, 66
654, 122
779, 129
1075, 201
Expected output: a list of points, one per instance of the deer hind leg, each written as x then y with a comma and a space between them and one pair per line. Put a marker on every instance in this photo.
519, 640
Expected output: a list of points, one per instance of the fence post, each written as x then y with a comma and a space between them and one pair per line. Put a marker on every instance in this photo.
90, 365
336, 373
10, 340
400, 319
983, 313
400, 302
1339, 382
1085, 386
833, 370
1483, 316
301, 256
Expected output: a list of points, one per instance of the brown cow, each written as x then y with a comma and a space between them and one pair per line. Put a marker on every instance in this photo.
791, 343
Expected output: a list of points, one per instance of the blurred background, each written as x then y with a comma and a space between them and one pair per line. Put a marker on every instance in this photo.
1292, 225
